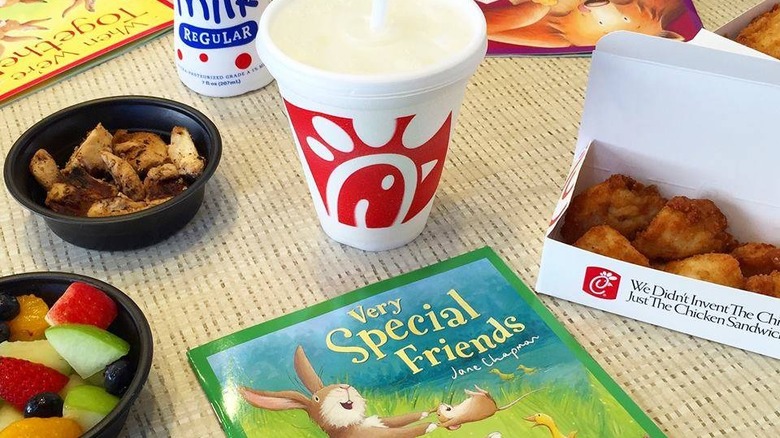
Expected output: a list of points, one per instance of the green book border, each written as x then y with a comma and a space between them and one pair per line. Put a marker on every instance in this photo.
208, 380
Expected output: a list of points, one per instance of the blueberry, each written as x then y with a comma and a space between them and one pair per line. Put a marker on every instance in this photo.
44, 405
5, 332
9, 307
118, 376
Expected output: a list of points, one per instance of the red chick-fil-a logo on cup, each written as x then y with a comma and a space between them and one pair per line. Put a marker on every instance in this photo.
601, 283
378, 184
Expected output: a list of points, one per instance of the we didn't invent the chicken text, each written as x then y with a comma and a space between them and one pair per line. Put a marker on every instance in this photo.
372, 342
77, 38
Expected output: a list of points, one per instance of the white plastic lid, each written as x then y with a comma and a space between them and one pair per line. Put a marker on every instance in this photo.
322, 83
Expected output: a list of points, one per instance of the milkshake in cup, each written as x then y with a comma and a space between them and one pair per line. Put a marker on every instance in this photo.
372, 90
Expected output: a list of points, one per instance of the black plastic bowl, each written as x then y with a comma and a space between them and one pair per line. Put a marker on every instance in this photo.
62, 131
130, 325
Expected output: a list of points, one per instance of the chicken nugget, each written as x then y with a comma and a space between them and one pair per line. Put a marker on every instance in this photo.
763, 33
716, 268
620, 202
607, 241
768, 284
757, 258
685, 227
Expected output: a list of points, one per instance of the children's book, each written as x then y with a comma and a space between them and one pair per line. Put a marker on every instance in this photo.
572, 27
458, 349
44, 40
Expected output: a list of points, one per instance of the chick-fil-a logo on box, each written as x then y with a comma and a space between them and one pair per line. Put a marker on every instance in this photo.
601, 283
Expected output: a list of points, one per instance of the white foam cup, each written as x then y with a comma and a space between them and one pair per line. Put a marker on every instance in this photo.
373, 138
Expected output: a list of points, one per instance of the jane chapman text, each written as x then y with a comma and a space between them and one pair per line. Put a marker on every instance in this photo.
490, 361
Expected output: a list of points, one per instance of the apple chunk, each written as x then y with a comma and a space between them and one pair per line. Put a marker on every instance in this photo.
87, 348
87, 405
35, 351
8, 415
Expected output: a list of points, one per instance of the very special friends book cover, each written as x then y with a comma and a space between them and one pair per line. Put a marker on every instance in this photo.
460, 348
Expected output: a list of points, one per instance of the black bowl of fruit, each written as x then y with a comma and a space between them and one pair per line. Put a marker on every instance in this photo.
74, 355
115, 173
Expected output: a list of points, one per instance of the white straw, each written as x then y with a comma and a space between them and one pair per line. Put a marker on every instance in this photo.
378, 14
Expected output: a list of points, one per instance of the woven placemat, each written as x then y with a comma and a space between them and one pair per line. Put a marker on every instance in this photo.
255, 250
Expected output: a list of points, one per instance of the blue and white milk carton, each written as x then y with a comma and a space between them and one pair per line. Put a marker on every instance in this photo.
214, 43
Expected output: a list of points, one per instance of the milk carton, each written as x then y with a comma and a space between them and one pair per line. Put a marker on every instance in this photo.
214, 44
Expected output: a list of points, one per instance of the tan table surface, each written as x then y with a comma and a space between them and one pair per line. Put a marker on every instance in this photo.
255, 250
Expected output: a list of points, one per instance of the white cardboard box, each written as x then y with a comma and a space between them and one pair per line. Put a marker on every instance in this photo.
723, 37
732, 28
697, 122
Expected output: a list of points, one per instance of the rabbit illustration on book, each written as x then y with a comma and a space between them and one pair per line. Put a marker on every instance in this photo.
338, 409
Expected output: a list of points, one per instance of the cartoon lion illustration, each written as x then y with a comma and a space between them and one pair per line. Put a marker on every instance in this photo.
567, 23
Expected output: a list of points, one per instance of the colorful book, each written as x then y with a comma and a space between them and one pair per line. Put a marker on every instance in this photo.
572, 27
460, 348
44, 40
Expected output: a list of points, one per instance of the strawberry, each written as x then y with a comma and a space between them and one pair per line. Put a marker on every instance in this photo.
83, 304
21, 379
